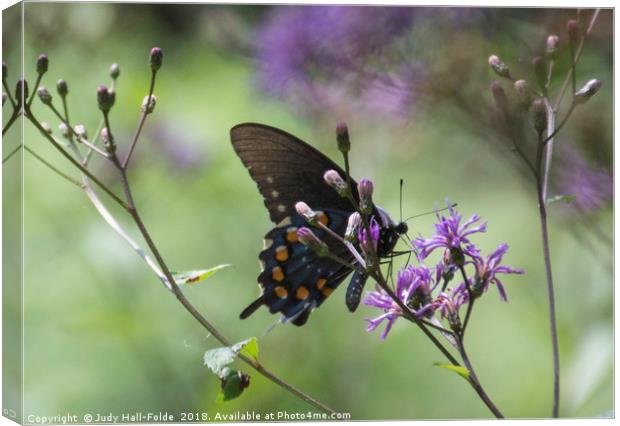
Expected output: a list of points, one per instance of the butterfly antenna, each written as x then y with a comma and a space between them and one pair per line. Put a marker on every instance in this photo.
431, 212
401, 199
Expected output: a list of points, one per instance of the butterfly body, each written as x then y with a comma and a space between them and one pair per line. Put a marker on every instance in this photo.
293, 279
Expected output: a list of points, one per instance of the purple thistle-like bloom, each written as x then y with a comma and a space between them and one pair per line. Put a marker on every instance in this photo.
450, 234
411, 282
374, 235
488, 268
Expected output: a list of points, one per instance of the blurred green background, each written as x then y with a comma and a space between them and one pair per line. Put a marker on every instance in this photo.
103, 335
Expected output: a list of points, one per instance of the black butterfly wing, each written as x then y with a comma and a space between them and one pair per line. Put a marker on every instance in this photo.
294, 280
286, 170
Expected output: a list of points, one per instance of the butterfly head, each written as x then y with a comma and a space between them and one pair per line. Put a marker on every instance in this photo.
389, 233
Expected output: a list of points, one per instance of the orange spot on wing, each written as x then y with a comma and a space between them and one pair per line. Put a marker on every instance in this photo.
281, 254
277, 274
320, 283
302, 293
324, 219
281, 292
291, 234
327, 291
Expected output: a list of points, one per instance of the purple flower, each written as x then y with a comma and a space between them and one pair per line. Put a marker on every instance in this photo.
450, 235
318, 55
488, 268
592, 188
374, 235
449, 304
412, 283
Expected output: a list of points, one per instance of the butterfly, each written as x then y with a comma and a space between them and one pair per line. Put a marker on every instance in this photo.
294, 280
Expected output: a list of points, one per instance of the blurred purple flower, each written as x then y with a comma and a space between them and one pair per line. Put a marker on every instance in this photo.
488, 268
450, 234
318, 54
592, 188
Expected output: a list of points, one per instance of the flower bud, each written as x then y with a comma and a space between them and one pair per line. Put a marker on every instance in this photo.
553, 44
42, 64
156, 58
539, 115
46, 127
501, 100
307, 213
80, 131
64, 130
44, 95
333, 179
115, 71
523, 93
353, 227
365, 189
5, 71
308, 238
587, 91
572, 27
62, 88
105, 98
21, 89
540, 71
498, 66
151, 104
342, 136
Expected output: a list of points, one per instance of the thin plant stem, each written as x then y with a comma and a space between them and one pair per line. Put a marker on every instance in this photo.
550, 289
142, 119
103, 186
470, 305
577, 55
475, 382
53, 168
8, 94
11, 120
34, 90
12, 153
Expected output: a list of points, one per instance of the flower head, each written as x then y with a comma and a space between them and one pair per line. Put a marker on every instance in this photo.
488, 268
450, 234
413, 289
375, 230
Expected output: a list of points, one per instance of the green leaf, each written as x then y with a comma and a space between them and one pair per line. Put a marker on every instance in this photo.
232, 386
248, 348
192, 277
461, 371
217, 359
566, 198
